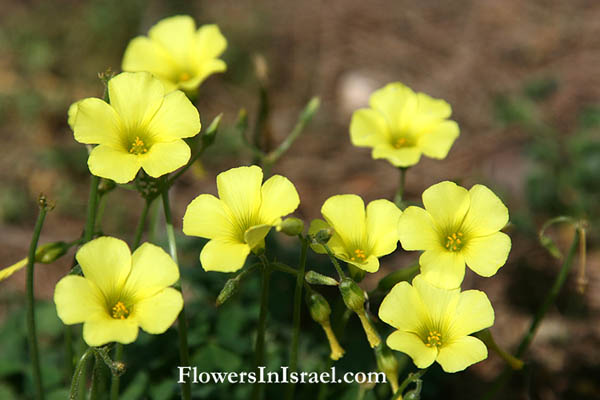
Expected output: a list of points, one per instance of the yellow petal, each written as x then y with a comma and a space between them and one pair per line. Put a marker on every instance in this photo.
371, 264
429, 108
106, 262
255, 235
152, 270
8, 271
437, 140
485, 255
166, 157
487, 214
279, 198
382, 218
461, 353
224, 256
102, 330
368, 128
440, 303
402, 157
396, 102
447, 203
416, 230
77, 300
96, 123
240, 189
176, 118
72, 114
207, 217
443, 268
473, 313
412, 345
135, 96
210, 42
175, 34
142, 54
403, 308
345, 213
118, 165
157, 313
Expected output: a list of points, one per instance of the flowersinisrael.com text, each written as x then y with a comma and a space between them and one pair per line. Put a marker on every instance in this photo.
283, 375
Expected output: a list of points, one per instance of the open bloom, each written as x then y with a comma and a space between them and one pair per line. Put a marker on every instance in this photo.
238, 221
360, 237
140, 128
433, 324
174, 51
456, 227
400, 125
119, 292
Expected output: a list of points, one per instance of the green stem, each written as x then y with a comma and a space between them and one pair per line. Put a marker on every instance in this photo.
259, 348
69, 354
116, 379
31, 334
334, 261
79, 369
550, 299
399, 197
184, 355
139, 230
283, 268
92, 206
96, 377
296, 319
412, 377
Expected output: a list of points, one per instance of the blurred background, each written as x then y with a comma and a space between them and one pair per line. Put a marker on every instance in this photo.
524, 84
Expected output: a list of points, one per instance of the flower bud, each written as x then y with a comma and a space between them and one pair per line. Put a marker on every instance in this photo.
318, 306
315, 278
229, 289
388, 364
352, 294
324, 235
209, 136
291, 226
356, 273
50, 252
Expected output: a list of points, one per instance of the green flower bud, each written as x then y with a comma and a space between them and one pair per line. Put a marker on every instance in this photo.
229, 289
352, 294
291, 226
388, 364
315, 278
106, 185
209, 136
324, 235
318, 306
50, 252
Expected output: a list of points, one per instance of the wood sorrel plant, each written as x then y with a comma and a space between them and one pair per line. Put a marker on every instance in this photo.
141, 136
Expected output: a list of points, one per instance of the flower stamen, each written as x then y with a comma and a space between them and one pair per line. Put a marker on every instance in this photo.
138, 146
119, 311
184, 76
434, 339
454, 242
359, 254
400, 142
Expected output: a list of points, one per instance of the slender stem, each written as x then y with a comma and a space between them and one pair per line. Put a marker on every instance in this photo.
412, 377
96, 377
31, 334
79, 369
541, 313
184, 355
139, 230
334, 261
296, 319
399, 197
92, 206
259, 348
116, 379
283, 268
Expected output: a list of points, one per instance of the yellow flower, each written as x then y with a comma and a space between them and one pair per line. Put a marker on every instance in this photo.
360, 236
178, 54
119, 292
238, 221
456, 227
433, 324
400, 125
140, 128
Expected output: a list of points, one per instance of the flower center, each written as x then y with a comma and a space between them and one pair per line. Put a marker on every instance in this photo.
434, 339
184, 76
138, 146
455, 241
358, 255
119, 311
